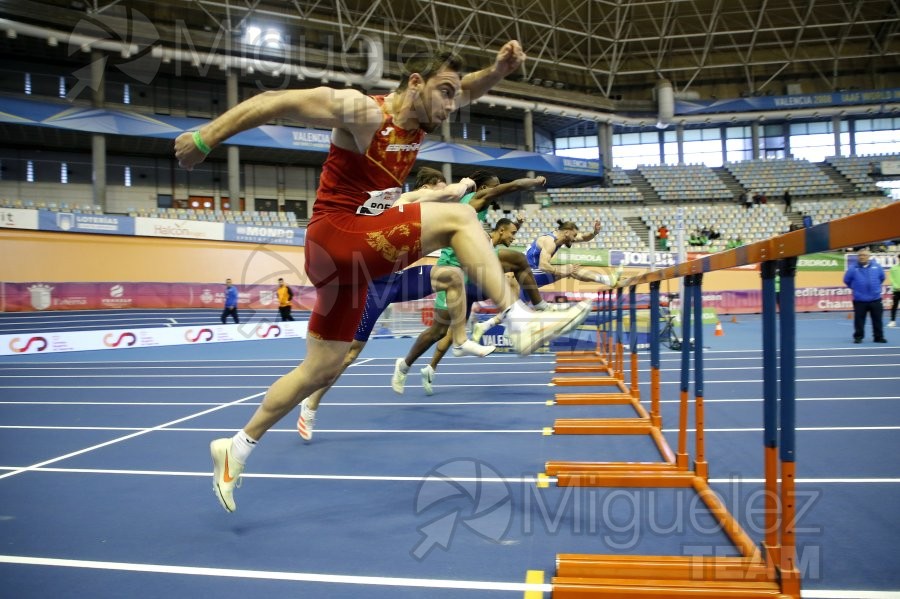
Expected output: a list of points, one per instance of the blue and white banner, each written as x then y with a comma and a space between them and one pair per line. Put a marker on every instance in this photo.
109, 224
850, 98
623, 258
123, 122
265, 234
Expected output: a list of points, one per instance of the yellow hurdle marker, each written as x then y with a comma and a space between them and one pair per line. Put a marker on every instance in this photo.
534, 577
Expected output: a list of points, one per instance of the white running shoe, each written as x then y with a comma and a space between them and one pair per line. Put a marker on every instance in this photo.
470, 348
892, 324
528, 330
398, 381
226, 473
306, 422
427, 379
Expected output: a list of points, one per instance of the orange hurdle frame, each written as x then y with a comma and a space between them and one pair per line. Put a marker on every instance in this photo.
768, 572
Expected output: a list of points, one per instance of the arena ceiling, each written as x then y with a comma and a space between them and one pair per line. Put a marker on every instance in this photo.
609, 50
599, 55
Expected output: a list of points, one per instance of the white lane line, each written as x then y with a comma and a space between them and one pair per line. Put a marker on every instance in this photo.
537, 404
430, 583
380, 404
126, 437
530, 368
413, 431
519, 480
243, 386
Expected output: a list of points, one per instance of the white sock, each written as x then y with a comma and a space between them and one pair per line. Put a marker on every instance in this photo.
543, 305
241, 446
307, 408
404, 367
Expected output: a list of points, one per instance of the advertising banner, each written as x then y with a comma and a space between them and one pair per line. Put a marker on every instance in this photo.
182, 229
265, 234
18, 218
109, 224
46, 343
826, 261
624, 258
583, 256
39, 296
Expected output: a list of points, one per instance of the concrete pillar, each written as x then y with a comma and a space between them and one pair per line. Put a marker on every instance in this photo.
528, 123
836, 126
98, 141
234, 153
98, 158
723, 134
604, 142
447, 169
754, 135
679, 138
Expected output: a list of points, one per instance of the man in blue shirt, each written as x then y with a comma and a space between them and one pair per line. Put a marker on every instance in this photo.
231, 301
865, 280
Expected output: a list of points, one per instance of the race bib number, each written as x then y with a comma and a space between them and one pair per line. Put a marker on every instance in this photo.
379, 201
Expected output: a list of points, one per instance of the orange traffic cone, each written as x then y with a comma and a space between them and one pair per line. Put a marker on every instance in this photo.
719, 331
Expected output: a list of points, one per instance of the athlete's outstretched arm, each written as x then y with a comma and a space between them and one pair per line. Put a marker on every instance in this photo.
474, 85
547, 245
487, 195
590, 234
450, 193
321, 107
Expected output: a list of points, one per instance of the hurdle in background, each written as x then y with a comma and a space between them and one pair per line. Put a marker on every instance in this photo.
767, 570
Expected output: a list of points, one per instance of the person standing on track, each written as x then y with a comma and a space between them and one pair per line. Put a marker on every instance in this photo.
231, 302
865, 279
285, 297
894, 276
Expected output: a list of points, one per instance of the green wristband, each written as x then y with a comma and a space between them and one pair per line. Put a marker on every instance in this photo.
201, 145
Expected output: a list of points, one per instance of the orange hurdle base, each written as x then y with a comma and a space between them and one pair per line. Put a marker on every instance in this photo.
602, 426
662, 576
592, 399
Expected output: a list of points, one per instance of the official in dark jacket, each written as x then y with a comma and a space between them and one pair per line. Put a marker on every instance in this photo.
865, 279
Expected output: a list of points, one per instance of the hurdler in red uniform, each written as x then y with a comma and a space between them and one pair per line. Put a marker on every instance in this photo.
353, 238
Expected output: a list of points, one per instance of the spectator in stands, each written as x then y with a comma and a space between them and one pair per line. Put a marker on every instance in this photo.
712, 234
895, 288
747, 200
734, 242
697, 238
787, 200
662, 238
231, 302
762, 198
757, 198
285, 296
865, 279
